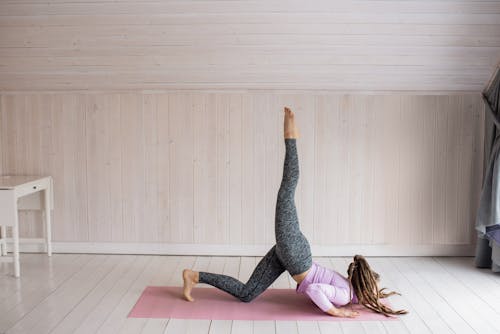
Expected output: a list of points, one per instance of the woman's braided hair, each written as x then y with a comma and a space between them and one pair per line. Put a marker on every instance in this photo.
364, 283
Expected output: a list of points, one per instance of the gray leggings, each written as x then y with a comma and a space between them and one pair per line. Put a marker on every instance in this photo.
291, 252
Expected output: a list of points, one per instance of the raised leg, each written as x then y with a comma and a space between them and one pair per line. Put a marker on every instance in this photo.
286, 218
292, 247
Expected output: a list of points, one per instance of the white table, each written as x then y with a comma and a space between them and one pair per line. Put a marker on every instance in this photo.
12, 188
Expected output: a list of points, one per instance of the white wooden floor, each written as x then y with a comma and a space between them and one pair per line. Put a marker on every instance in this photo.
85, 293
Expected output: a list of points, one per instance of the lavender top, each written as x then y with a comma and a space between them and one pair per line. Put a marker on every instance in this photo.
326, 288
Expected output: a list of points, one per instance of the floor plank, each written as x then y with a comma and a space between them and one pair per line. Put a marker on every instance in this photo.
437, 305
264, 327
170, 267
73, 320
61, 301
102, 312
286, 327
481, 282
34, 265
220, 327
175, 279
35, 285
247, 265
478, 315
394, 281
154, 326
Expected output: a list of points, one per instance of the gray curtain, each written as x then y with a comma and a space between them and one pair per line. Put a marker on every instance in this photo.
488, 215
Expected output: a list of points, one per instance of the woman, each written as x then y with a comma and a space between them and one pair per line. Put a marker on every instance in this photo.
329, 290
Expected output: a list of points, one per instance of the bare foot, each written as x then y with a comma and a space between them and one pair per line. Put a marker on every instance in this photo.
291, 130
190, 279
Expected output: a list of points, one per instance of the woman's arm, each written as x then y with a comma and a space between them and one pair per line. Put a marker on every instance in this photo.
323, 294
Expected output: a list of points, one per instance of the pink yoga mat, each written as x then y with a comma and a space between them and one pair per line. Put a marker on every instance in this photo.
211, 303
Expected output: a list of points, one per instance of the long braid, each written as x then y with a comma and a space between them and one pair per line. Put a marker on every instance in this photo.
364, 283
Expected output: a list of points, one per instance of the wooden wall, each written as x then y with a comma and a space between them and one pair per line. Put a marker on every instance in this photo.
204, 168
161, 120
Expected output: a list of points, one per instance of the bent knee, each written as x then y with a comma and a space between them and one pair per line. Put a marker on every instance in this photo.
247, 298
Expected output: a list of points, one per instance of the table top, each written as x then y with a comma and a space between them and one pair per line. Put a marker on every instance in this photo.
12, 181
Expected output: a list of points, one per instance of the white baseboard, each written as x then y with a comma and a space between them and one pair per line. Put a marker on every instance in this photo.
244, 250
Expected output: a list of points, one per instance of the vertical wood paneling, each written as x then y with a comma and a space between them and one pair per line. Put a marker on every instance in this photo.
320, 149
341, 166
2, 148
262, 228
69, 138
409, 162
131, 133
115, 160
152, 154
471, 166
334, 164
205, 168
417, 158
441, 166
236, 126
104, 168
272, 127
248, 176
455, 125
424, 154
181, 168
359, 164
388, 196
369, 157
438, 171
464, 172
222, 158
374, 233
14, 114
428, 135
164, 167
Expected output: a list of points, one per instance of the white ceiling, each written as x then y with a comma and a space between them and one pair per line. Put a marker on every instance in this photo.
346, 46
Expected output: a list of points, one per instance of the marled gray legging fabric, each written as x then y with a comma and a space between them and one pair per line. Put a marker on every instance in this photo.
291, 252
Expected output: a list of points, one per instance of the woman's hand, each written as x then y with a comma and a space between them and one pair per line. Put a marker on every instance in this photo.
342, 312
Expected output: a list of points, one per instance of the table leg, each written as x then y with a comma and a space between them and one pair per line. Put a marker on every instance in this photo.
4, 243
15, 237
48, 222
